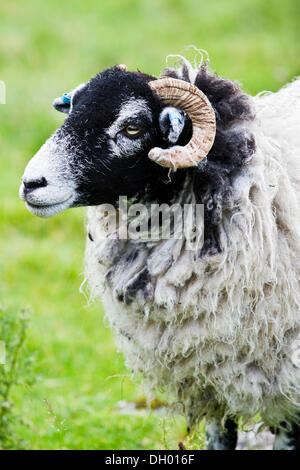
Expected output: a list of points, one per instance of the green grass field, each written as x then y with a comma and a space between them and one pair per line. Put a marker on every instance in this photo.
47, 48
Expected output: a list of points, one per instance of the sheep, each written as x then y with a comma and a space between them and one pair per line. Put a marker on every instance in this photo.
216, 325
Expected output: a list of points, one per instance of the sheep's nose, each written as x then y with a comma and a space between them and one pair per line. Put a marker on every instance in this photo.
31, 185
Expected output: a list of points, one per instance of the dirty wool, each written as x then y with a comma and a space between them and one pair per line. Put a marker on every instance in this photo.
216, 328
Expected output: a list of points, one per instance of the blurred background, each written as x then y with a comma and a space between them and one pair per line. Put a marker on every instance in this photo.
64, 385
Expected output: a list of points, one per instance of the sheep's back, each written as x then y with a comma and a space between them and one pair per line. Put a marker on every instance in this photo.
279, 117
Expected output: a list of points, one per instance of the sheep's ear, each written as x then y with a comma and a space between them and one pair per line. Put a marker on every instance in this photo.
171, 123
64, 103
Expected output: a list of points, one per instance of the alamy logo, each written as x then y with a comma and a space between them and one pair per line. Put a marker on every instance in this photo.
2, 353
154, 222
2, 92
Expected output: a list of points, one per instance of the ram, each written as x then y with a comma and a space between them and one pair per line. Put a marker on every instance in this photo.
215, 322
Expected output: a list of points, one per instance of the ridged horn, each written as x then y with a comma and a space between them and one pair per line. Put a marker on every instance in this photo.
190, 99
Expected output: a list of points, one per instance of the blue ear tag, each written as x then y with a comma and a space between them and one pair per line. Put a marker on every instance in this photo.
66, 98
175, 116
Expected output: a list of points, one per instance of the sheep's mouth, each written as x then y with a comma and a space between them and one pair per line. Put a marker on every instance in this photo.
48, 210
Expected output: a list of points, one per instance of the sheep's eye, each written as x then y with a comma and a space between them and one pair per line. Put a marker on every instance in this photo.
132, 130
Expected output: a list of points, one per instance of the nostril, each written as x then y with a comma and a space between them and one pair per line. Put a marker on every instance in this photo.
34, 184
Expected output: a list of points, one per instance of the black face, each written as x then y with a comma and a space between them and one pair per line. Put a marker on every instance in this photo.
101, 150
110, 162
113, 124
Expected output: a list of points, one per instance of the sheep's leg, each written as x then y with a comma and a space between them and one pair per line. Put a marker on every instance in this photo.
221, 437
287, 437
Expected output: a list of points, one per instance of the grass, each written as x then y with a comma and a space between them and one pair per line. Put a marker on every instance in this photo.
47, 48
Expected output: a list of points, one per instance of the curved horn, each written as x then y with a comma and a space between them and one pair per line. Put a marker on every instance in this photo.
190, 99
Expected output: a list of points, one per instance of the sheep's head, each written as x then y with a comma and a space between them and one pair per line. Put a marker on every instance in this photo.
123, 132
